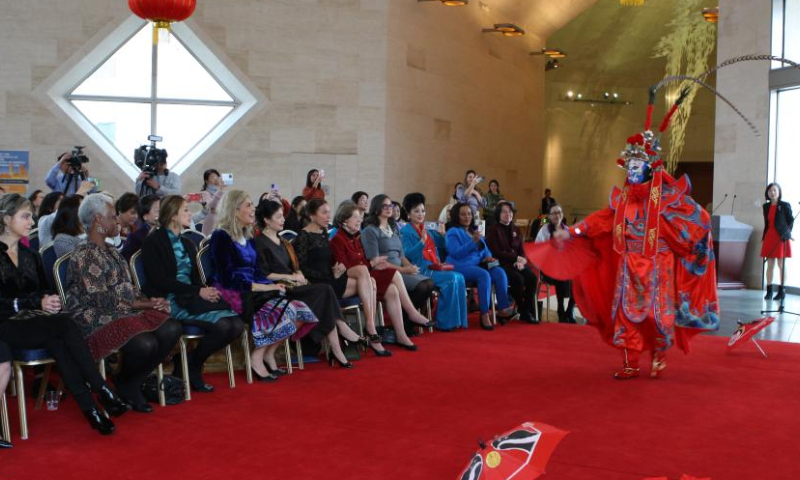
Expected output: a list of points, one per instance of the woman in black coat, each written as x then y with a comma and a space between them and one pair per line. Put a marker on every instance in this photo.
171, 270
775, 244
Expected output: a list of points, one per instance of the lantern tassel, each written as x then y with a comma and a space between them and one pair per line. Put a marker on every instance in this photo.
158, 27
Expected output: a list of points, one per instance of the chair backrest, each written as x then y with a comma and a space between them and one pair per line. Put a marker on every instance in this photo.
137, 270
193, 235
199, 227
332, 232
33, 240
48, 261
288, 235
60, 273
205, 264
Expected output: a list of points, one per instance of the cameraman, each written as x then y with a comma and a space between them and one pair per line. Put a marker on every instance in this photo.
56, 178
163, 183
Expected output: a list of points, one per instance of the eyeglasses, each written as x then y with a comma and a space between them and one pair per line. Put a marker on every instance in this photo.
388, 206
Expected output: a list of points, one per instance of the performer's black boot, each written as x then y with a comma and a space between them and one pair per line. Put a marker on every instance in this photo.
768, 296
780, 295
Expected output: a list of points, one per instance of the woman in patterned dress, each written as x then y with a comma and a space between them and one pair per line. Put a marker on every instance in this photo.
114, 315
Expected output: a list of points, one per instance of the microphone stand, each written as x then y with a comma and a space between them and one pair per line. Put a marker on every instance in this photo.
720, 204
781, 310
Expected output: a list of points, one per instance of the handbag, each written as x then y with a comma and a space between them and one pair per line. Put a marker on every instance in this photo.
441, 267
173, 387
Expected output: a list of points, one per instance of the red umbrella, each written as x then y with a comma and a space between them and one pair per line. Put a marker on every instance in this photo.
521, 453
746, 331
562, 260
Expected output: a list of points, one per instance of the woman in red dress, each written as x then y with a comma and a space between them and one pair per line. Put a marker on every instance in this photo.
778, 221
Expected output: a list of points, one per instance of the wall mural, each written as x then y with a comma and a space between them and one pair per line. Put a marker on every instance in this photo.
686, 50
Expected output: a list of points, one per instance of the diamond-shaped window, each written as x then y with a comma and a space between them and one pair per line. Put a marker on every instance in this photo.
128, 87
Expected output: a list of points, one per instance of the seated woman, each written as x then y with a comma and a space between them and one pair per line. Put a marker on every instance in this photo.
555, 222
361, 199
5, 376
505, 241
148, 219
112, 312
297, 220
67, 229
470, 256
171, 271
278, 262
348, 250
420, 246
316, 262
250, 293
380, 237
30, 319
127, 206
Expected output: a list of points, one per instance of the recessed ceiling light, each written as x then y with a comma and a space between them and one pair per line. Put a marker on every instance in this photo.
507, 29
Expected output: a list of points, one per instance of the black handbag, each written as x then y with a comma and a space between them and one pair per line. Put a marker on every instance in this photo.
173, 387
196, 305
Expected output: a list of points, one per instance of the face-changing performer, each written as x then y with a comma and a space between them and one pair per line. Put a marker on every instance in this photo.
652, 284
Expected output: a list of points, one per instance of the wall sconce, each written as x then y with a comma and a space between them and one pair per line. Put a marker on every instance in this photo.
551, 53
507, 29
607, 98
711, 15
449, 3
551, 65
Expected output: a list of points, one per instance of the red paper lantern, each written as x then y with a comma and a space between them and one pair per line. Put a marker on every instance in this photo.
162, 12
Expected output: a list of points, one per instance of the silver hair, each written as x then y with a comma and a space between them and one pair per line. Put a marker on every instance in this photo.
94, 204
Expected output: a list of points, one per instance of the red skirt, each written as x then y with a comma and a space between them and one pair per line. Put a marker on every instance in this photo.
383, 278
113, 335
773, 247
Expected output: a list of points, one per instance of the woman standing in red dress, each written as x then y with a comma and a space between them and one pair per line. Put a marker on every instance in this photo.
775, 245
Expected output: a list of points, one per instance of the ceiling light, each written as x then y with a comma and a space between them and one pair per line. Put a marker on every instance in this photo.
449, 3
580, 96
507, 29
570, 94
711, 15
550, 52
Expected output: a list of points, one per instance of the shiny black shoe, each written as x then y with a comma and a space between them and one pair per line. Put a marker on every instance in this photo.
380, 353
98, 421
111, 402
201, 387
410, 348
341, 364
4, 444
141, 407
489, 327
276, 372
268, 378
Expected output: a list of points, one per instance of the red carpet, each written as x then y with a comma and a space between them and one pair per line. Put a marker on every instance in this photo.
418, 415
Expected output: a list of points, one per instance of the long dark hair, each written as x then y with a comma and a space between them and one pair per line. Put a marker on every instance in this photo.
455, 190
67, 220
266, 209
374, 212
293, 216
454, 213
127, 201
780, 191
499, 209
309, 183
208, 174
48, 205
357, 196
496, 183
552, 228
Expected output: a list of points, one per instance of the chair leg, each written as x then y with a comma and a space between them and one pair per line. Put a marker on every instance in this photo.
229, 361
23, 414
4, 417
494, 307
185, 368
361, 327
299, 349
248, 368
162, 400
43, 386
430, 313
102, 367
288, 356
379, 314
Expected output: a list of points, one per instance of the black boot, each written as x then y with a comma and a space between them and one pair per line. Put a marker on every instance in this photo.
570, 314
98, 421
768, 296
112, 404
780, 295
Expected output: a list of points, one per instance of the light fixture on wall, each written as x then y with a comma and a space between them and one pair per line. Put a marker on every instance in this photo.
610, 98
551, 53
631, 3
507, 29
551, 65
449, 3
711, 15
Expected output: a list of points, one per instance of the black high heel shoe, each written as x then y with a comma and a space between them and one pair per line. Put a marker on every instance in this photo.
333, 358
489, 327
111, 402
99, 422
268, 378
276, 372
410, 348
375, 338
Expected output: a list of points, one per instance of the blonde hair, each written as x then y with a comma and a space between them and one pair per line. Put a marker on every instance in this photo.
230, 203
170, 207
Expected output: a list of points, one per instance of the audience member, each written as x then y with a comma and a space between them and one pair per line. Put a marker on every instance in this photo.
555, 221
257, 299
547, 202
51, 201
36, 199
213, 186
505, 241
49, 205
398, 215
163, 183
491, 199
30, 319
278, 262
274, 195
148, 219
444, 215
112, 312
127, 207
348, 250
297, 219
420, 246
67, 229
469, 193
313, 188
171, 272
361, 199
59, 178
470, 256
318, 266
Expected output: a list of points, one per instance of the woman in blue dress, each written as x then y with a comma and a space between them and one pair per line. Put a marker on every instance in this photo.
420, 245
467, 251
171, 272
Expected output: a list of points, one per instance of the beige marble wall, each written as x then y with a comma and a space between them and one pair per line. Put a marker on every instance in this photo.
740, 160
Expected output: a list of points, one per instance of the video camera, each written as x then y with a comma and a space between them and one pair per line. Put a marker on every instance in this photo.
75, 163
147, 157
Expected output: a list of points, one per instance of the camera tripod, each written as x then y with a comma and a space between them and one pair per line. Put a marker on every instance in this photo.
73, 177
